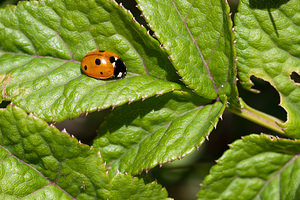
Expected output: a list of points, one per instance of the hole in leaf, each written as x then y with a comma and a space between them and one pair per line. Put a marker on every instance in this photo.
4, 104
295, 77
267, 100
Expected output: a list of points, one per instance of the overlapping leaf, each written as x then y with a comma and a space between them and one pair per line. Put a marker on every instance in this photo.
268, 47
21, 180
43, 42
256, 167
198, 37
143, 134
39, 160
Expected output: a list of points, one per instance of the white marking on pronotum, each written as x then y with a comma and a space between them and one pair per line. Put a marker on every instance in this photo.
120, 74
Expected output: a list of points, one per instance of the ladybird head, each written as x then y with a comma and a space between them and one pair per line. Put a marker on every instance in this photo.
120, 69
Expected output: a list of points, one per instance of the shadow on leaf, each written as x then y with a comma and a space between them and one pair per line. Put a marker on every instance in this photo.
266, 4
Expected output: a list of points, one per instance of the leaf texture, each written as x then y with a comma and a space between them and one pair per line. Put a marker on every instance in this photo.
43, 42
256, 167
268, 47
155, 131
197, 36
39, 161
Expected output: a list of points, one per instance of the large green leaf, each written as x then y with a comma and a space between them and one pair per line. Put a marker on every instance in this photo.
256, 167
43, 42
268, 47
197, 35
18, 179
39, 161
161, 129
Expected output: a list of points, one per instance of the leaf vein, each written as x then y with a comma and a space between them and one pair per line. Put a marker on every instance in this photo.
195, 43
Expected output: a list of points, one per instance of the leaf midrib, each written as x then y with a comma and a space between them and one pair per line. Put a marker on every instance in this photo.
195, 43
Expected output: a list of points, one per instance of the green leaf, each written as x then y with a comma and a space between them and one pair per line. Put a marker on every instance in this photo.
256, 167
43, 42
39, 161
197, 36
126, 187
143, 134
268, 47
23, 179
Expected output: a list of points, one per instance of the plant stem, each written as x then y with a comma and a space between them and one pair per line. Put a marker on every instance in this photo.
258, 117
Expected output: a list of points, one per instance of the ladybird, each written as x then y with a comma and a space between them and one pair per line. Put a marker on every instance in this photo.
103, 65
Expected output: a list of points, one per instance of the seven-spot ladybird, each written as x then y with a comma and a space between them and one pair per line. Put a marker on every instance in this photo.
103, 65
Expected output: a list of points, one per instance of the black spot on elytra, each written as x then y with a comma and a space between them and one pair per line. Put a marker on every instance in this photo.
112, 59
101, 51
97, 61
85, 67
101, 72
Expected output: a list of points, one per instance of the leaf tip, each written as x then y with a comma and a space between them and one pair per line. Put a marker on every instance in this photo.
64, 131
32, 115
133, 18
158, 94
121, 5
221, 117
130, 101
